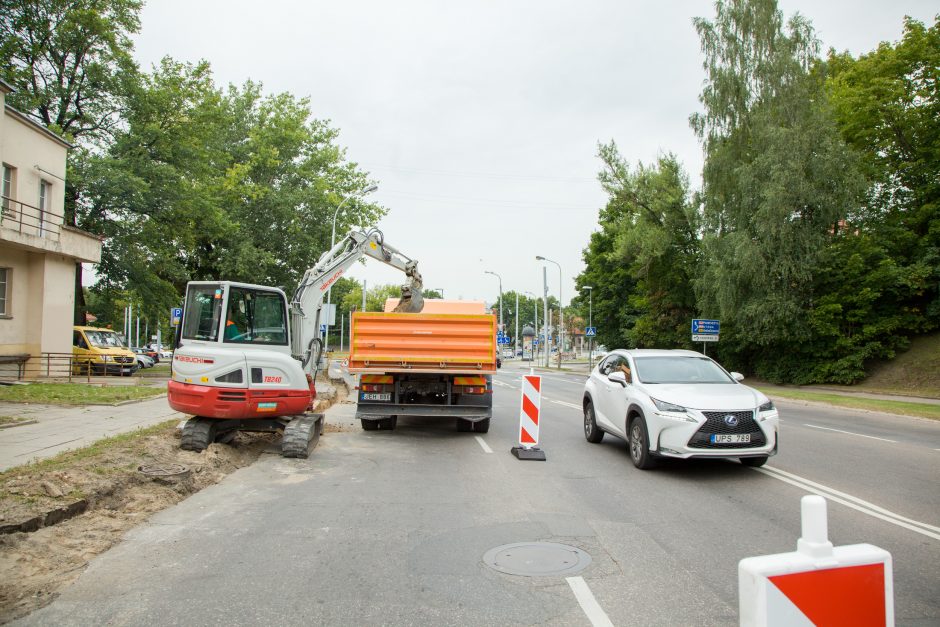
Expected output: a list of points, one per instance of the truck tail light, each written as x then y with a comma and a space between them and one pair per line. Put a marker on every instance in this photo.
375, 387
472, 389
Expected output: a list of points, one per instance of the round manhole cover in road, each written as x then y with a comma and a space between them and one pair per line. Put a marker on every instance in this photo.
537, 559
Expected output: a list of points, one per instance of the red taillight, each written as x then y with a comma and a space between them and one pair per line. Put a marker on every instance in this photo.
374, 387
472, 389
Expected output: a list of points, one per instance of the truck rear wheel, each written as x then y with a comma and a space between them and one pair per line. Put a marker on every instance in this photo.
388, 424
464, 425
482, 426
369, 425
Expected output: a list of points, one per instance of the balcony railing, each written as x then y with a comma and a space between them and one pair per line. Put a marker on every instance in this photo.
28, 219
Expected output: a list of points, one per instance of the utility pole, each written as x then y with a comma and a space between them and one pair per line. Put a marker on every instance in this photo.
515, 343
363, 295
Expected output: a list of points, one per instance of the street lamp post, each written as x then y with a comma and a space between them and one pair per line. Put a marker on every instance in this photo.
329, 293
535, 312
561, 309
500, 297
590, 290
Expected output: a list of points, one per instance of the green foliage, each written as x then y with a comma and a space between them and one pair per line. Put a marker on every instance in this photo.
68, 61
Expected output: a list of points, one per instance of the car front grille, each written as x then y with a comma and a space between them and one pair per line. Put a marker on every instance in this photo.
124, 360
715, 424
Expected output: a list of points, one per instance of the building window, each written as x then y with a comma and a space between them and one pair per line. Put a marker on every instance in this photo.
6, 190
5, 310
44, 189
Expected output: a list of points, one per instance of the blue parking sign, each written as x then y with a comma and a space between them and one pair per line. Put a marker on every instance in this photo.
176, 315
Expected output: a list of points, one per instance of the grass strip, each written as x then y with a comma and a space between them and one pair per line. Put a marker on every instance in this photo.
10, 420
903, 408
66, 458
75, 393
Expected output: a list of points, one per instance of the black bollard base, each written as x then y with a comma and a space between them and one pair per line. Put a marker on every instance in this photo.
531, 454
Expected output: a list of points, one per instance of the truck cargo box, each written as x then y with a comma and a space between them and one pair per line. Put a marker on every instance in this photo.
423, 342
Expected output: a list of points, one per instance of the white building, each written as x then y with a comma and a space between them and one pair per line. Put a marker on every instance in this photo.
38, 252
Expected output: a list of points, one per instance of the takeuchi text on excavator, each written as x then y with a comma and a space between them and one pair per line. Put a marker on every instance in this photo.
246, 357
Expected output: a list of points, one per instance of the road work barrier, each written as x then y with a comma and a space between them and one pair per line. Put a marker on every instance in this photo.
818, 584
529, 410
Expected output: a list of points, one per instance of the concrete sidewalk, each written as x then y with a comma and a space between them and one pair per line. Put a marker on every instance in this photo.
60, 428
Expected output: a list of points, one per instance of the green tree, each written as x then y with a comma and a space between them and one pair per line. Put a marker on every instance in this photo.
68, 61
887, 104
778, 179
657, 241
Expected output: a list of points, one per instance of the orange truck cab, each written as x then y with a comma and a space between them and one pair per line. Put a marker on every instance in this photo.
437, 363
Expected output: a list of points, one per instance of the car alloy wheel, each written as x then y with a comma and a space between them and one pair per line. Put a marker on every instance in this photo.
591, 432
639, 445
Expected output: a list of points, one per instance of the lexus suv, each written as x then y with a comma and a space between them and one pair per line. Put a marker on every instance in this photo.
677, 403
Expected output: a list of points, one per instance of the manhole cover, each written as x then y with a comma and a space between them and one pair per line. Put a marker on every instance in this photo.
537, 559
163, 471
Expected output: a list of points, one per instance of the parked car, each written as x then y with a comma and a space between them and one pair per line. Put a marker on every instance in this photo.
144, 361
677, 403
149, 352
100, 351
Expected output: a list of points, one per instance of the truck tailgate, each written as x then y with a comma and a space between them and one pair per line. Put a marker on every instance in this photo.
401, 342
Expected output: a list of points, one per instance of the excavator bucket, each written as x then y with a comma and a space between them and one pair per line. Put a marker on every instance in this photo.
412, 300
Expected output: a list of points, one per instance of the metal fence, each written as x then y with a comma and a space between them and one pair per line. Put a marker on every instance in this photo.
29, 220
63, 366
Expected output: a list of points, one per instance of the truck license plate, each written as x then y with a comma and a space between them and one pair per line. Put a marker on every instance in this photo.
730, 439
377, 397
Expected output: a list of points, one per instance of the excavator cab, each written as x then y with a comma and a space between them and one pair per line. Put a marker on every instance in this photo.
235, 313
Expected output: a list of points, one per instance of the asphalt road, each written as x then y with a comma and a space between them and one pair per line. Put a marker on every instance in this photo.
392, 527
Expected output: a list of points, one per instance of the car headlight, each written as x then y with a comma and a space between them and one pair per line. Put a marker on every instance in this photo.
768, 406
664, 406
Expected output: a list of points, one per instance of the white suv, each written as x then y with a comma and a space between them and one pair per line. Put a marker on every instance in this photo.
677, 403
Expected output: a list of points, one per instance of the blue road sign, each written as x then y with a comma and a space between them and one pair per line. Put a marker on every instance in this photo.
322, 328
706, 327
705, 330
176, 314
590, 331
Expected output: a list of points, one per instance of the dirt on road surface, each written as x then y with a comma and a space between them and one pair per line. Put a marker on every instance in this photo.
57, 515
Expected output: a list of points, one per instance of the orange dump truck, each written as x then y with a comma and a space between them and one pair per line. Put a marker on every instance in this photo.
437, 363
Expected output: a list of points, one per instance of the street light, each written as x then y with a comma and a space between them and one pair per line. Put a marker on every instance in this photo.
590, 290
329, 293
441, 291
561, 308
500, 297
535, 310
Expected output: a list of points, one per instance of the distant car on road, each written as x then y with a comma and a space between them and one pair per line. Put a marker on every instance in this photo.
676, 403
144, 361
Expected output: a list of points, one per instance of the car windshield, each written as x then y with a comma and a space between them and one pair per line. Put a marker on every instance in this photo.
680, 370
104, 339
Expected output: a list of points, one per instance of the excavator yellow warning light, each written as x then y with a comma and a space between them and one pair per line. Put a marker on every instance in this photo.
372, 245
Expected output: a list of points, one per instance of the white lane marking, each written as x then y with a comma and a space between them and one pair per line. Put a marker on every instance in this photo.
486, 448
853, 502
565, 404
592, 609
871, 437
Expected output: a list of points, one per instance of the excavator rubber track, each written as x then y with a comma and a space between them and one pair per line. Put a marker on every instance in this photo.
301, 436
198, 434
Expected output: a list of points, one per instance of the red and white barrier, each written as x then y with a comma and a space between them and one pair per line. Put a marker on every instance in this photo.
818, 584
529, 412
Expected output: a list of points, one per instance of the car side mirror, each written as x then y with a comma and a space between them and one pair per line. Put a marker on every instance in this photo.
737, 376
618, 377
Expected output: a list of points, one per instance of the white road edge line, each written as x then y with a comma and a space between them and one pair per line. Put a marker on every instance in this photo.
566, 404
870, 437
872, 510
854, 499
592, 609
486, 447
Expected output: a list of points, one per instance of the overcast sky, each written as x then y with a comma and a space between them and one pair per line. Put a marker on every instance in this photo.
480, 120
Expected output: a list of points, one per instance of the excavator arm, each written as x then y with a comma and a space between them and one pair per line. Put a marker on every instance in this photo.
307, 302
